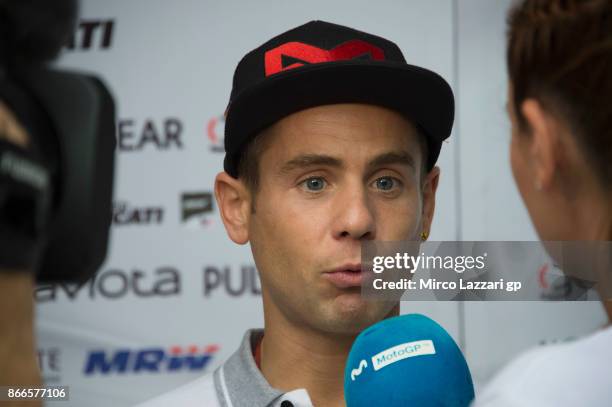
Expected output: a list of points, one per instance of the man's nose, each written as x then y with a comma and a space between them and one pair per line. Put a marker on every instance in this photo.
355, 216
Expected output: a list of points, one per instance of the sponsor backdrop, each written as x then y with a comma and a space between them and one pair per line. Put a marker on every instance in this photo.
175, 295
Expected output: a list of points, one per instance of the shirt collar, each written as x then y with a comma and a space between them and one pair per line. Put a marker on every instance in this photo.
246, 386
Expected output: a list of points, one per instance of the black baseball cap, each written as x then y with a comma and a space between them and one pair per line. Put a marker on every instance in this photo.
320, 63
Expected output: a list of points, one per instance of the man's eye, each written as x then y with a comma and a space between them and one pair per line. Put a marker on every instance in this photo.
386, 183
314, 184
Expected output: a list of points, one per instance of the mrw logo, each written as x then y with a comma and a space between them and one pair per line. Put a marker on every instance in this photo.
356, 372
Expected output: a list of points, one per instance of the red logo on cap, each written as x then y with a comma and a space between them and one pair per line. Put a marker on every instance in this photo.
295, 54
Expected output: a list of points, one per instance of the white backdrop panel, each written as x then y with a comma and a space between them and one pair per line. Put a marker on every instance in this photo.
170, 67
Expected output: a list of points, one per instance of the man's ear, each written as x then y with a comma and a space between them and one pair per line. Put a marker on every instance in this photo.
430, 186
233, 200
543, 143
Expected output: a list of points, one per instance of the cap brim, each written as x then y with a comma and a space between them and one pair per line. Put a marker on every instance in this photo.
422, 96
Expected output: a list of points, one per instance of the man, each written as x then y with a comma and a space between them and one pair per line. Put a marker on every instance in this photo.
331, 140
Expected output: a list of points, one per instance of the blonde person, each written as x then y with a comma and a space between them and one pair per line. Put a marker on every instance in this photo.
559, 102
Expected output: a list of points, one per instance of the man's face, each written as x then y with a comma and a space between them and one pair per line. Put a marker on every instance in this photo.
330, 178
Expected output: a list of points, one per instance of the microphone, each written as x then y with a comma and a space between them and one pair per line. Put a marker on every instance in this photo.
407, 360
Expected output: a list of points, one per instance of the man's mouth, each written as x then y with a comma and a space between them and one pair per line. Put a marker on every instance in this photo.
346, 276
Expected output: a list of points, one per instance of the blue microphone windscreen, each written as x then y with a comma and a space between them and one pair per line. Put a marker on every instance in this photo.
408, 360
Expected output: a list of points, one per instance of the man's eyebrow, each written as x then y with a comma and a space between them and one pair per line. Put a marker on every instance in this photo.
309, 160
399, 157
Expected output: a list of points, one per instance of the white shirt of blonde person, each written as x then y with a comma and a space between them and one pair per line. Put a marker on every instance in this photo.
576, 374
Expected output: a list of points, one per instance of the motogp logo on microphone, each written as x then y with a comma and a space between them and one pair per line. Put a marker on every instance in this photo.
403, 351
356, 372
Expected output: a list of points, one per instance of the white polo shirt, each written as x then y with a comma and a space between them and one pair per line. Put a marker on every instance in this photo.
573, 374
236, 383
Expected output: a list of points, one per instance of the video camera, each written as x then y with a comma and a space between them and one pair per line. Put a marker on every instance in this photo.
55, 193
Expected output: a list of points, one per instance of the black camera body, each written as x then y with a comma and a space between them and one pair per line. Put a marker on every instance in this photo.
56, 193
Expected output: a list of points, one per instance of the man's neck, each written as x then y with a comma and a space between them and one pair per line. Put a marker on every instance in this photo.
293, 358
